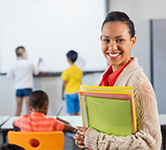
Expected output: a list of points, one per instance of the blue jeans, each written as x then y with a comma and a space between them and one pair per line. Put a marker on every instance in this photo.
72, 101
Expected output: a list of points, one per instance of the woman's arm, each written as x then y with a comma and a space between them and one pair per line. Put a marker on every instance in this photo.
148, 136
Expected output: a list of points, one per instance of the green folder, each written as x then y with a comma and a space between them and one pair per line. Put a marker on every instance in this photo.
109, 112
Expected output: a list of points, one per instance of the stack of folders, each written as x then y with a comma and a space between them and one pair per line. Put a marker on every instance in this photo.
110, 110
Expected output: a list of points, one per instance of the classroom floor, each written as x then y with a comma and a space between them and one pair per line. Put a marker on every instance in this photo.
69, 142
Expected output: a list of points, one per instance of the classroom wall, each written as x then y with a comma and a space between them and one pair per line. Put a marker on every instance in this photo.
52, 85
141, 11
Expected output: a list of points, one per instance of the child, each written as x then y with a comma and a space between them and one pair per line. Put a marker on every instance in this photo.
117, 40
71, 82
37, 121
23, 72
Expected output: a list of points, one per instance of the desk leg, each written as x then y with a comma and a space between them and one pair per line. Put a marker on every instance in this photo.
4, 136
163, 135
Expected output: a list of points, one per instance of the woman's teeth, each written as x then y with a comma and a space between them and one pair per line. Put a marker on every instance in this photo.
113, 55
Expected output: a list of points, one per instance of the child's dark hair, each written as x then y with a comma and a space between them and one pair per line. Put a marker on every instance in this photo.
37, 99
19, 50
6, 146
72, 55
117, 16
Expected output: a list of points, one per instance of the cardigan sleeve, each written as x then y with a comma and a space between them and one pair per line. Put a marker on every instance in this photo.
148, 136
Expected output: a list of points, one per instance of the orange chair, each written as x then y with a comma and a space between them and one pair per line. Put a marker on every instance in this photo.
37, 140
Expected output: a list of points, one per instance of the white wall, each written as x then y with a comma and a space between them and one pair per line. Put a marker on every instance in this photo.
140, 11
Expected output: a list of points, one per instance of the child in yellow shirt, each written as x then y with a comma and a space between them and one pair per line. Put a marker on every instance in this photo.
71, 82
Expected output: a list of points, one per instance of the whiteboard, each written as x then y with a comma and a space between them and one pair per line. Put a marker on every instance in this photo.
49, 29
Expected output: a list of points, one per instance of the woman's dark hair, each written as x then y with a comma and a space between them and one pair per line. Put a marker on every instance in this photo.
37, 99
72, 55
117, 16
19, 50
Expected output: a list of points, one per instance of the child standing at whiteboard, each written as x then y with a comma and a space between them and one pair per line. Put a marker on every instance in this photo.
71, 82
23, 72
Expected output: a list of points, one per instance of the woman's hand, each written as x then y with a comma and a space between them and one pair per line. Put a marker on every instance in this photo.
79, 137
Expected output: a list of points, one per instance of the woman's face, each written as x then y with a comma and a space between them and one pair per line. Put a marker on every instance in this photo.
116, 43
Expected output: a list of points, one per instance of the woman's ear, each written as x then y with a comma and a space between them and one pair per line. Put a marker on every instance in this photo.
133, 41
100, 38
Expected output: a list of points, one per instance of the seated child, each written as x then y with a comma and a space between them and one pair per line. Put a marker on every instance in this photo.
7, 146
37, 121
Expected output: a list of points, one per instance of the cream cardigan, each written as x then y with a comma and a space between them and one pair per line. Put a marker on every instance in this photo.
148, 136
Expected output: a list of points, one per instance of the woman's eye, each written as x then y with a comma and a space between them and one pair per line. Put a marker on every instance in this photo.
119, 40
106, 40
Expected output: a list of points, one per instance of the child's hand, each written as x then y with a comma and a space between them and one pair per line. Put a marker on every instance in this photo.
74, 130
79, 137
63, 98
39, 61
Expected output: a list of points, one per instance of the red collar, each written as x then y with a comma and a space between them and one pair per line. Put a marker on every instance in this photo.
109, 77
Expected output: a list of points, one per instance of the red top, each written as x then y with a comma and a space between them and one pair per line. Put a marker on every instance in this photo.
109, 77
38, 122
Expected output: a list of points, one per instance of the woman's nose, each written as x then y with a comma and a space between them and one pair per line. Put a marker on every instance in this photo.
112, 45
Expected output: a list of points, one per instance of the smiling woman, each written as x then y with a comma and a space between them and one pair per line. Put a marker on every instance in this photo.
117, 40
116, 45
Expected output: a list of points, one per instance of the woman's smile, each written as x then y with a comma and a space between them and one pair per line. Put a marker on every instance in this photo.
113, 55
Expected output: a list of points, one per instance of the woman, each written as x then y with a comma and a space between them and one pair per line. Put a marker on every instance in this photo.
118, 38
